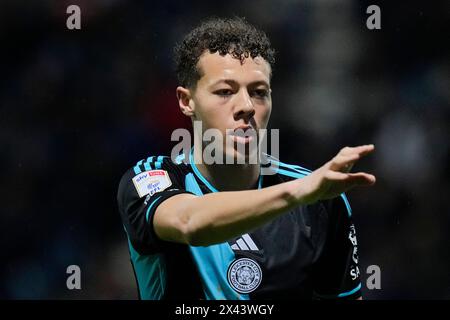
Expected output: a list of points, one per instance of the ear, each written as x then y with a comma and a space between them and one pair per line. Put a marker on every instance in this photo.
185, 101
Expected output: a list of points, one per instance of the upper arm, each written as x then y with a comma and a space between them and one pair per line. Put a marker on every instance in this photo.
337, 272
138, 202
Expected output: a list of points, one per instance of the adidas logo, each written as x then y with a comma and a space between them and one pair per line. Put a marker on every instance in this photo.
245, 243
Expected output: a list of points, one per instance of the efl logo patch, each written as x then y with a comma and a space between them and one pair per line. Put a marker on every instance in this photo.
244, 275
151, 182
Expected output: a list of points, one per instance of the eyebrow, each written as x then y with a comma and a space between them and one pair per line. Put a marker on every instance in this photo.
233, 82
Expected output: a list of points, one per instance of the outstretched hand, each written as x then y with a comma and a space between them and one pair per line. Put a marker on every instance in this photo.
334, 177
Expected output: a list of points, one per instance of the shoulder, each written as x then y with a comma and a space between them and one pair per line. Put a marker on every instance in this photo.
153, 163
157, 169
147, 164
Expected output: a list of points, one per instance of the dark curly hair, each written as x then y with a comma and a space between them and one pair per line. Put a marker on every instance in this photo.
234, 36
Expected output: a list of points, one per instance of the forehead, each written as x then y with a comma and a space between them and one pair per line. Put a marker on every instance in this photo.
214, 67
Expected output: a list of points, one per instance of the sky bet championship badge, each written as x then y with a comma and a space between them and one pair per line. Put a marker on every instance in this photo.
151, 182
244, 275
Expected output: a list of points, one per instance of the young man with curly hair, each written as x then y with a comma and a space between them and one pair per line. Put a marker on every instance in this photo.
226, 231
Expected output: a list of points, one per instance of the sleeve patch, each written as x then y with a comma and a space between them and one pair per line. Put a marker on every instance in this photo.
151, 182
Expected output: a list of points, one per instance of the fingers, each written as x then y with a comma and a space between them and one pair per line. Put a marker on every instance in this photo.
347, 156
352, 179
361, 150
362, 179
336, 176
337, 183
343, 163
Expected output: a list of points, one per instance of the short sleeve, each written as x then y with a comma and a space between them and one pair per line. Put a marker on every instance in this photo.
337, 275
140, 193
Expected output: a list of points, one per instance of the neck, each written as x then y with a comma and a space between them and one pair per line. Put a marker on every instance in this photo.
229, 177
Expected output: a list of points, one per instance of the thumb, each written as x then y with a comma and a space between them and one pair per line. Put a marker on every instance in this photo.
361, 179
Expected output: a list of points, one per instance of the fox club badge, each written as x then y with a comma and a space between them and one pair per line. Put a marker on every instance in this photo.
244, 275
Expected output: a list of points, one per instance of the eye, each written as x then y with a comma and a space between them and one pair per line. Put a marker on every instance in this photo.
260, 93
224, 92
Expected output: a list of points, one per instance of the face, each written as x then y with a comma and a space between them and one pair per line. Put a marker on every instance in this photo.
231, 95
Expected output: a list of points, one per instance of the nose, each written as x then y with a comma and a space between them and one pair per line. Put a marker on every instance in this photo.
244, 107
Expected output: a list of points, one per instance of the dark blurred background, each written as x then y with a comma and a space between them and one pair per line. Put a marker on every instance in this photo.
79, 107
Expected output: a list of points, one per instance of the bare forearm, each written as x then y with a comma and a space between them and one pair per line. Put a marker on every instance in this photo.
217, 217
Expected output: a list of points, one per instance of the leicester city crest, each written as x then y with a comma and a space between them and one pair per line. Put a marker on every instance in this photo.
244, 275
